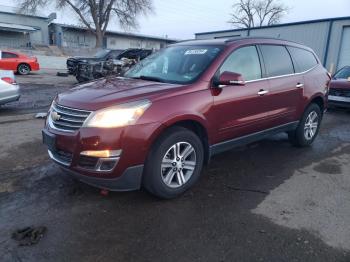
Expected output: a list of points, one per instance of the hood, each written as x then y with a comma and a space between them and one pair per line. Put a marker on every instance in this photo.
111, 91
340, 84
80, 58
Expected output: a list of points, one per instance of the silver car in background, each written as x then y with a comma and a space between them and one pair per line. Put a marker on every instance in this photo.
9, 89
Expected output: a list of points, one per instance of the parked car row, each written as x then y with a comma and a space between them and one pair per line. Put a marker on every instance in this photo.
156, 126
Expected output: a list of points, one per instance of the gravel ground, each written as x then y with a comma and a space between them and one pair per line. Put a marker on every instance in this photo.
267, 201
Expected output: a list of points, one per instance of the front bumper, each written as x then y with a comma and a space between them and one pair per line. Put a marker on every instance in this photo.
128, 181
339, 101
132, 141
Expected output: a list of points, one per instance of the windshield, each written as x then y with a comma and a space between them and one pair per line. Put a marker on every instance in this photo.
176, 64
343, 73
101, 53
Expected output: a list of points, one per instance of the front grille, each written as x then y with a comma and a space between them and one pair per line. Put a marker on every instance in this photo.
62, 157
339, 92
66, 118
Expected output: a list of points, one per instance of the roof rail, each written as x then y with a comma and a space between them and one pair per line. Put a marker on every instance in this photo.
258, 37
250, 37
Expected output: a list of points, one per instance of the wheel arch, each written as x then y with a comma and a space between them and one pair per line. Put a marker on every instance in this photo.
319, 100
193, 123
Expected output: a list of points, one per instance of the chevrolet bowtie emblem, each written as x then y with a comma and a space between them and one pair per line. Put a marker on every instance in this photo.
55, 116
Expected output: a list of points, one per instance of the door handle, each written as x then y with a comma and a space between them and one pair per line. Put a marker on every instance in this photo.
299, 85
262, 92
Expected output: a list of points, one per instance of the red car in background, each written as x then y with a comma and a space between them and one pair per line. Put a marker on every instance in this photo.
19, 63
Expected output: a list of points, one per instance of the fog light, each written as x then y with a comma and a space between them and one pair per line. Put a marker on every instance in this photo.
101, 153
107, 164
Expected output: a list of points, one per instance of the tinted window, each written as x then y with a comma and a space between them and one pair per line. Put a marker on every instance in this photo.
101, 53
277, 60
343, 73
8, 55
244, 61
114, 54
303, 59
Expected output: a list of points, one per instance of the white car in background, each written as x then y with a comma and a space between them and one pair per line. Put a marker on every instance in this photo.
9, 89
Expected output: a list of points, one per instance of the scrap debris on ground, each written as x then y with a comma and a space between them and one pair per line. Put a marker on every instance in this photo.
29, 235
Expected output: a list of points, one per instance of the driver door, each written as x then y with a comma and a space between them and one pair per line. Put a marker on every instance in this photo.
241, 110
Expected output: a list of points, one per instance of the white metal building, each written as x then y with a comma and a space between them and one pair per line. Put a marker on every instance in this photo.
330, 38
22, 30
69, 36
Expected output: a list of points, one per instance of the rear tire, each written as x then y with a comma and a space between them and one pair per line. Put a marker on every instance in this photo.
174, 164
308, 128
23, 69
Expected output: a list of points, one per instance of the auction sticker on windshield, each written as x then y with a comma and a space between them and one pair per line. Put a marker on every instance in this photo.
196, 52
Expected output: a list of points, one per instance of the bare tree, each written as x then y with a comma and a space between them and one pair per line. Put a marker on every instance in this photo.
252, 13
96, 15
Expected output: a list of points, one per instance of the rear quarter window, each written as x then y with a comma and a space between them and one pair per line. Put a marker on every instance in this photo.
8, 55
277, 60
304, 60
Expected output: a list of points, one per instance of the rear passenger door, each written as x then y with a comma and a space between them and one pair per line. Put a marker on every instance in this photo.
285, 91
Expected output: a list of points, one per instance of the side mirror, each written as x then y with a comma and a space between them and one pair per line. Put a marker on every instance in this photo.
231, 79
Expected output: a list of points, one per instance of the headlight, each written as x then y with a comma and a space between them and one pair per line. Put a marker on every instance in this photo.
117, 116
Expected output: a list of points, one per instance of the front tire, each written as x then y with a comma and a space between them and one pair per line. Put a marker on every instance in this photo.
23, 69
308, 127
174, 163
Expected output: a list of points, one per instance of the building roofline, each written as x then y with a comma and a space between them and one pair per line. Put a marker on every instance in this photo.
119, 33
277, 25
12, 13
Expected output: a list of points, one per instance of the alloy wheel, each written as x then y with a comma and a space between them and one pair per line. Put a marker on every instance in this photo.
24, 69
311, 125
178, 164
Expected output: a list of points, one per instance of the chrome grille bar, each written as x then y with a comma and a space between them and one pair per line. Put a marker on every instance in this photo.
67, 119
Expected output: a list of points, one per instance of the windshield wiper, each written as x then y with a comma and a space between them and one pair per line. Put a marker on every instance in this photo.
150, 78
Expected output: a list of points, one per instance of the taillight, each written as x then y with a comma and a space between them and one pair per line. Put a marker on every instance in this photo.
9, 80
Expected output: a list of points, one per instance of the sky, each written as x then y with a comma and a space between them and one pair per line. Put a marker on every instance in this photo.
181, 19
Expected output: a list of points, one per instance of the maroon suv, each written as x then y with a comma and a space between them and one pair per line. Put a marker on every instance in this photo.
156, 126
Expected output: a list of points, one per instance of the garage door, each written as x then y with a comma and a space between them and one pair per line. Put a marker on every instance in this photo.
344, 56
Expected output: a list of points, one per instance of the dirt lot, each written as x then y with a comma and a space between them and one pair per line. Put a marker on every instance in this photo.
267, 201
